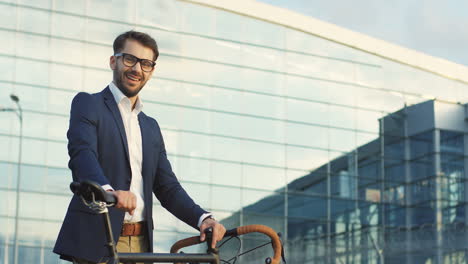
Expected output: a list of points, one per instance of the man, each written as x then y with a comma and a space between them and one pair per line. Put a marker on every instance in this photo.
112, 142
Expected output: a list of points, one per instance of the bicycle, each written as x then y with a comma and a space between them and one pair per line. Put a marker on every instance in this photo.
98, 200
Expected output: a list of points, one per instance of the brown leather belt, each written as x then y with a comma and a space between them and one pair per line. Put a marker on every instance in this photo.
133, 229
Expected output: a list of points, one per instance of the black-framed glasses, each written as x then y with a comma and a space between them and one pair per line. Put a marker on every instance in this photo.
129, 60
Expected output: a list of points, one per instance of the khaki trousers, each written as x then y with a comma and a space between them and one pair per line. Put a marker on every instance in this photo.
126, 244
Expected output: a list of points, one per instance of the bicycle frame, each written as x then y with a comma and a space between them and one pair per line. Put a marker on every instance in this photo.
88, 192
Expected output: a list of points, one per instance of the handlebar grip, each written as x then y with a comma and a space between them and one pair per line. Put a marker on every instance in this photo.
86, 188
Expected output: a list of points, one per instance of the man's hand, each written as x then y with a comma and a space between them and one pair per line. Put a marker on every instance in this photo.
218, 231
126, 201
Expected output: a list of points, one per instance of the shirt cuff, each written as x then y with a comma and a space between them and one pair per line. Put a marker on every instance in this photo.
202, 217
107, 187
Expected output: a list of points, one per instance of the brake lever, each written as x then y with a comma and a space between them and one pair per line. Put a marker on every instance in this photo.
209, 239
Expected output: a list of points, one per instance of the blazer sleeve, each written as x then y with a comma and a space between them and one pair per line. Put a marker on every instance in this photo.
170, 193
82, 140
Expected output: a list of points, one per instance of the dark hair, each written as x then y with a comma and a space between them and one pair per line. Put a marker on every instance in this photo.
143, 38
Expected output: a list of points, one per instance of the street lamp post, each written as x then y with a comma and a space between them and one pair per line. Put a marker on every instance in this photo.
19, 113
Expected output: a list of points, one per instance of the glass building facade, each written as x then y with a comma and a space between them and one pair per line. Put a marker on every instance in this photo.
264, 124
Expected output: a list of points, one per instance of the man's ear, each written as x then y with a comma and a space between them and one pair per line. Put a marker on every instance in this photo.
112, 62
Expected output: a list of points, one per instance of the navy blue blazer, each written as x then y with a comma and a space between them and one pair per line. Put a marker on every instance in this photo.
98, 150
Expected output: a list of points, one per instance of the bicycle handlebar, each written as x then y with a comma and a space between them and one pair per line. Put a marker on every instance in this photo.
276, 243
91, 191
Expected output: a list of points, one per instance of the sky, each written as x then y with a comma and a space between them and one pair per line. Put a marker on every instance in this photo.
435, 27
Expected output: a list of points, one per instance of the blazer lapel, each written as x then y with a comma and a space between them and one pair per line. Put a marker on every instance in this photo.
112, 105
147, 146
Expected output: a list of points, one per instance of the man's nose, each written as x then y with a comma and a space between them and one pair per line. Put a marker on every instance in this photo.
137, 67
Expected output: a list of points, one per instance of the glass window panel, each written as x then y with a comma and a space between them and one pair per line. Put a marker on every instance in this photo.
225, 124
342, 140
9, 172
9, 40
96, 80
226, 149
319, 90
34, 151
262, 105
67, 51
162, 241
162, 13
103, 32
30, 233
33, 178
6, 233
58, 180
68, 26
306, 135
263, 129
261, 58
261, 81
369, 75
66, 77
342, 208
362, 139
168, 42
452, 165
263, 178
379, 100
34, 97
35, 125
29, 254
166, 221
229, 25
194, 120
76, 7
10, 148
306, 159
32, 72
121, 9
208, 49
226, 199
197, 19
423, 214
263, 153
339, 116
305, 206
227, 100
368, 120
7, 69
32, 206
55, 207
96, 56
309, 112
57, 154
422, 168
9, 122
57, 126
8, 16
7, 205
200, 193
263, 202
226, 173
194, 170
264, 33
33, 20
451, 142
422, 144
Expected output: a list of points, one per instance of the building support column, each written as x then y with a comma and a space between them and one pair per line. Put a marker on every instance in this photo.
438, 198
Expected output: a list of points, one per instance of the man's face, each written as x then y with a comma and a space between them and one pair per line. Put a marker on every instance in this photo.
130, 80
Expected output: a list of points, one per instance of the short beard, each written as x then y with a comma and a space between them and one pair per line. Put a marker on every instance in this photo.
127, 92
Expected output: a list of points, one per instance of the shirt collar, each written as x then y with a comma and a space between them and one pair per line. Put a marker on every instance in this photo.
119, 97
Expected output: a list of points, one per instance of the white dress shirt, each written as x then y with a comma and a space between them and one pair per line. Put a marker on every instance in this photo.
133, 133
